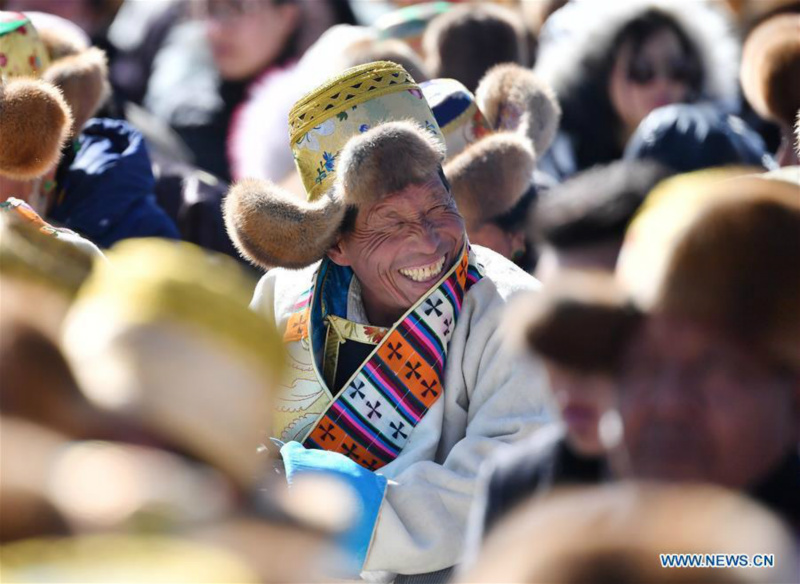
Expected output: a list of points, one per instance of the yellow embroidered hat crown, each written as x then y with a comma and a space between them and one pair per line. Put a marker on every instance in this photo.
363, 135
321, 123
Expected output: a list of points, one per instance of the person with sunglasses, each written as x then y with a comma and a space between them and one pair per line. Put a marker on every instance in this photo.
612, 65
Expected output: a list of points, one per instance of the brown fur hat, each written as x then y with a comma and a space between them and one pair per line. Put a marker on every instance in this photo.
514, 98
34, 123
770, 70
80, 71
720, 251
271, 227
581, 320
386, 160
83, 79
493, 173
490, 176
467, 41
737, 268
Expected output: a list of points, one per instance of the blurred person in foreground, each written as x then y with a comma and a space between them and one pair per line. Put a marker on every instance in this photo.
180, 357
769, 76
611, 64
709, 382
400, 378
102, 186
618, 534
493, 140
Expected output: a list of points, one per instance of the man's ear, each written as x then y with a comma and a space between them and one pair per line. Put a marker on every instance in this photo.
338, 254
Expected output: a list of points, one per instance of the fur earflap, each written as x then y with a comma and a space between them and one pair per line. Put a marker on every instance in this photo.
581, 320
386, 159
771, 69
490, 176
83, 78
271, 227
34, 123
513, 98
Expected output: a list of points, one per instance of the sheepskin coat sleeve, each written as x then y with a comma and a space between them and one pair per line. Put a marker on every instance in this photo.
493, 396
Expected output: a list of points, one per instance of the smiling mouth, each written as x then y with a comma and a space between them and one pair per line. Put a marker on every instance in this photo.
424, 273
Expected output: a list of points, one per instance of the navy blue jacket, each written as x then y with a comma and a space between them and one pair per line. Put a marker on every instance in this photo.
106, 187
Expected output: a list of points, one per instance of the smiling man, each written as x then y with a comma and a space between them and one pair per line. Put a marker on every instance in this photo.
401, 381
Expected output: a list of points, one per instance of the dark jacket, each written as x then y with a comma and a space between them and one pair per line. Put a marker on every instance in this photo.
516, 473
105, 187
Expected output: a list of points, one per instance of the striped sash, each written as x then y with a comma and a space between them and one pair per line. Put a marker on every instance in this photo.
372, 417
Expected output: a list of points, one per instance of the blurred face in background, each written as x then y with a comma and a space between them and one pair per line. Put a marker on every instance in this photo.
657, 73
697, 405
509, 244
247, 36
582, 399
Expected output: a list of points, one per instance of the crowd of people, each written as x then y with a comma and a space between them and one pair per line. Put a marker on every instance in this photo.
341, 290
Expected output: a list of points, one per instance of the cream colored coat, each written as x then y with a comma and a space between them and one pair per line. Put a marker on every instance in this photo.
492, 397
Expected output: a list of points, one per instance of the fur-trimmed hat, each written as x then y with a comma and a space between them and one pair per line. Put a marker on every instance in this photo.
153, 295
57, 56
716, 249
362, 135
770, 70
494, 137
35, 122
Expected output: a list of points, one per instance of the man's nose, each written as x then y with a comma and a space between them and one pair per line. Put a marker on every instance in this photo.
427, 237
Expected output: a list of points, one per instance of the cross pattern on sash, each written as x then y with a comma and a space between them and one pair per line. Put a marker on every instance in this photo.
371, 464
328, 434
412, 370
433, 306
373, 409
300, 323
394, 351
350, 451
429, 388
357, 386
398, 429
447, 322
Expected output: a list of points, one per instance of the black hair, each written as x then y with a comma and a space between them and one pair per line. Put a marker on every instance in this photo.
595, 206
471, 39
349, 221
589, 116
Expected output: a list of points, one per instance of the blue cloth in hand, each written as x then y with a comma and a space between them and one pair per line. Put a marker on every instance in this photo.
367, 486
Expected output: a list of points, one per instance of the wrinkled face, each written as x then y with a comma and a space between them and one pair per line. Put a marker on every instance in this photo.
246, 36
656, 75
582, 400
401, 246
698, 406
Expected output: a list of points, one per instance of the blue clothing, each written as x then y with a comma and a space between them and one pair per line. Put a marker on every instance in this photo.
106, 188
